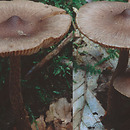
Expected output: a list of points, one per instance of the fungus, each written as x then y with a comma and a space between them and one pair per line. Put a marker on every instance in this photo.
25, 27
108, 24
122, 84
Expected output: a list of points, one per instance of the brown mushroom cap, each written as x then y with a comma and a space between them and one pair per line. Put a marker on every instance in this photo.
27, 26
106, 23
122, 84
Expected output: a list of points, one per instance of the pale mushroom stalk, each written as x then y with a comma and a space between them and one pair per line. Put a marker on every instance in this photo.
122, 64
21, 115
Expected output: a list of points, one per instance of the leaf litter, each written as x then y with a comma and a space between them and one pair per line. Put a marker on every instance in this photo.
90, 87
58, 117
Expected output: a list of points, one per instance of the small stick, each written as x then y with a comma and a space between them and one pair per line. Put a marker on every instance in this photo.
49, 56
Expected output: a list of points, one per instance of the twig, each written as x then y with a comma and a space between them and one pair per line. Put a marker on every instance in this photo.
49, 56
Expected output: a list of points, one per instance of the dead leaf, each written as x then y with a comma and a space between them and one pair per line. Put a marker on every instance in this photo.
69, 126
60, 113
41, 125
50, 127
86, 108
59, 126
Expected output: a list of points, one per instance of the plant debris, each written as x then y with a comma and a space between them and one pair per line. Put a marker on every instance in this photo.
58, 117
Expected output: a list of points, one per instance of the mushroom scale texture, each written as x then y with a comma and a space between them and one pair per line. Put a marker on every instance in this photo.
25, 27
106, 23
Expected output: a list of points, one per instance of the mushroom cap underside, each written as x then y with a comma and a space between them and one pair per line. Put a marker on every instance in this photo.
122, 84
27, 26
106, 23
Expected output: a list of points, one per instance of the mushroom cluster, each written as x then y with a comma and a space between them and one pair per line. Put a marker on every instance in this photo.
25, 27
108, 24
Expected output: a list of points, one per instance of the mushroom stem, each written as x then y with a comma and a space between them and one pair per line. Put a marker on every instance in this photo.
115, 98
122, 64
21, 116
118, 110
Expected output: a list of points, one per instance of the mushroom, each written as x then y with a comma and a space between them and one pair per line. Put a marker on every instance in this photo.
122, 84
108, 23
25, 27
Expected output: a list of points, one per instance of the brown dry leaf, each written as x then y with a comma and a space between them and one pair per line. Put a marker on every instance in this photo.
59, 126
40, 124
69, 126
60, 113
50, 127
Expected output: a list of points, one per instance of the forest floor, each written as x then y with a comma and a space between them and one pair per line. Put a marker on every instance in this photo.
90, 85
